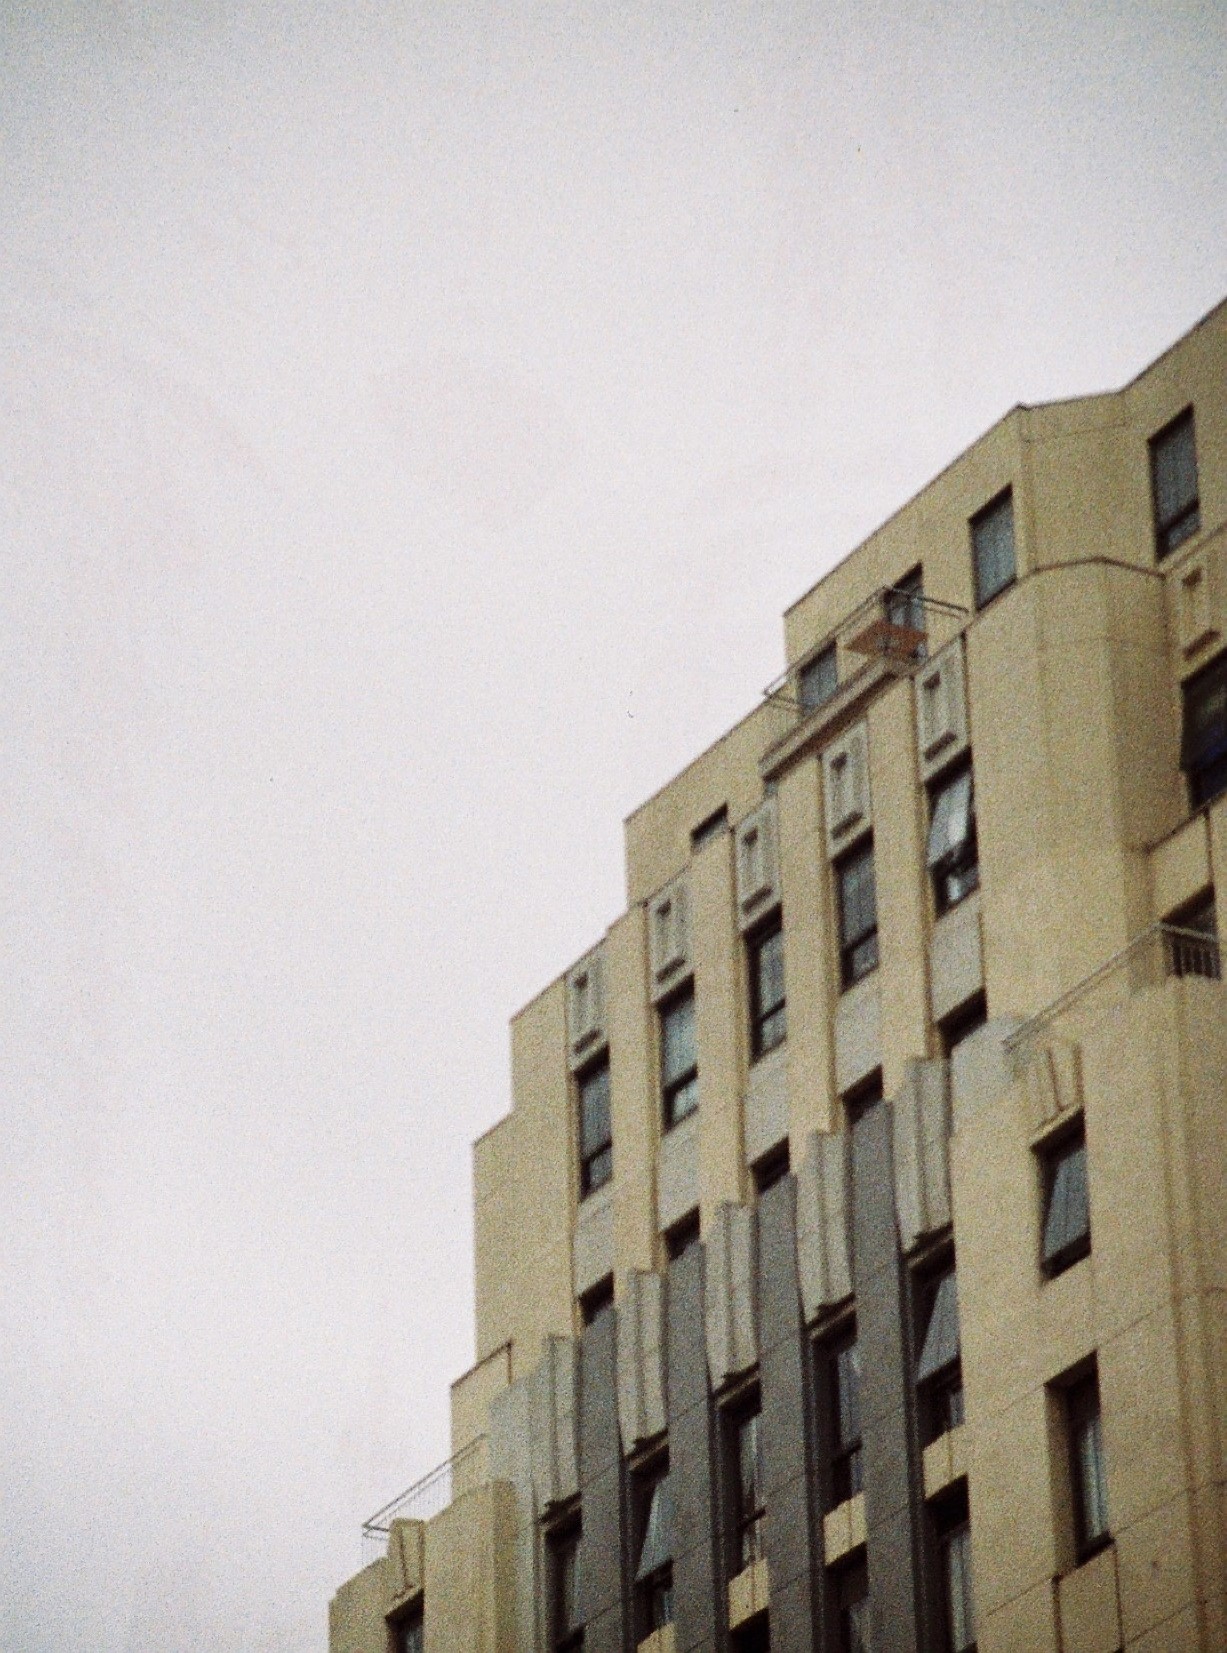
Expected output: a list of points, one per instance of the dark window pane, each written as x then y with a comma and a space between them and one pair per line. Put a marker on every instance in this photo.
905, 607
748, 1489
992, 540
858, 915
1087, 1464
848, 1385
768, 1016
960, 1605
594, 1111
849, 1588
656, 1546
842, 1366
566, 1630
1067, 1217
411, 1637
1203, 753
678, 1059
818, 680
1173, 475
941, 1342
953, 852
677, 1039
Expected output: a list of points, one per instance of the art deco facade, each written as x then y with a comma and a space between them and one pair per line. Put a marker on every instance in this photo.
852, 1268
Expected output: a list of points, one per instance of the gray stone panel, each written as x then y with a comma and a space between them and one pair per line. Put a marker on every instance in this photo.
893, 1486
698, 1584
600, 1475
789, 1482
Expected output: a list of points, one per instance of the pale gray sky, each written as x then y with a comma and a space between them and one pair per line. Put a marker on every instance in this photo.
413, 421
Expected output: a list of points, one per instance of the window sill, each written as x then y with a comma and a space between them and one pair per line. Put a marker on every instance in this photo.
843, 1528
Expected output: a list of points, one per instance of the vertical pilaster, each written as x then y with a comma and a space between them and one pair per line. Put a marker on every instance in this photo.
698, 1580
603, 1595
792, 1523
893, 1470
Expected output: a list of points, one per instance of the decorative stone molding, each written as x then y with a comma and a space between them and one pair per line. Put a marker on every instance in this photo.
669, 936
554, 1448
586, 1031
641, 1378
732, 1339
845, 774
922, 1123
941, 709
824, 1222
758, 864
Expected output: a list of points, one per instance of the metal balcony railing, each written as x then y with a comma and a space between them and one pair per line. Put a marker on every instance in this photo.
1162, 951
895, 627
427, 1497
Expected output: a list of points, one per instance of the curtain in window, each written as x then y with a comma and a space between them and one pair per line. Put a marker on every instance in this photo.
953, 814
941, 1344
657, 1548
1069, 1211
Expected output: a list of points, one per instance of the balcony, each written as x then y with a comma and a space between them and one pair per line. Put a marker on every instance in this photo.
888, 636
1156, 955
426, 1498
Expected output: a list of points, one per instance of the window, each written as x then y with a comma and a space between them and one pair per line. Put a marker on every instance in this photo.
863, 1096
1173, 484
595, 1130
1203, 752
952, 1536
745, 1478
858, 914
768, 1016
992, 547
710, 827
939, 1371
1067, 1212
1088, 1475
653, 1512
960, 1024
905, 606
773, 1167
953, 851
849, 1587
681, 1236
818, 679
596, 1300
754, 1636
679, 1061
566, 1626
409, 1634
839, 1368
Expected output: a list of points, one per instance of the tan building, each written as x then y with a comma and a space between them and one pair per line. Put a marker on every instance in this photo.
852, 1269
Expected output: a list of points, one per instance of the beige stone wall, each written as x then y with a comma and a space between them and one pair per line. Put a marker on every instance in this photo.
524, 1194
1073, 702
1148, 1302
470, 1580
356, 1622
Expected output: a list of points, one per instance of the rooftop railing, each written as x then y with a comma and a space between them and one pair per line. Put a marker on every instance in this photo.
1163, 951
427, 1497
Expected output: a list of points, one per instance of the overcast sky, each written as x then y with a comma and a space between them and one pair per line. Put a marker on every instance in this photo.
414, 419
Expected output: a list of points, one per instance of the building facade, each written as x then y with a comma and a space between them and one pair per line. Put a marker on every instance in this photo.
852, 1267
